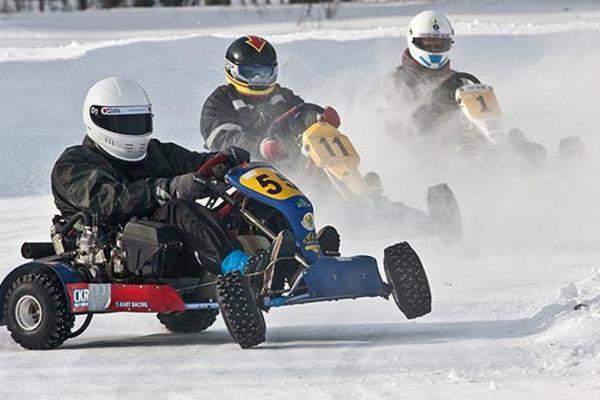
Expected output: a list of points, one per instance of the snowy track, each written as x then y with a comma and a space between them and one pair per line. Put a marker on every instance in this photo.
516, 306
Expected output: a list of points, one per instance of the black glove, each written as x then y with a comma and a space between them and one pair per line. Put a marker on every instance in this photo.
237, 156
190, 186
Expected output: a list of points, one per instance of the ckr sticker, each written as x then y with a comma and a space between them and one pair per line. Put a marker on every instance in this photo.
81, 298
308, 221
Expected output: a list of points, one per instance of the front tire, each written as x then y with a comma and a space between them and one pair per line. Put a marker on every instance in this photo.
243, 319
37, 311
444, 213
571, 150
408, 281
192, 321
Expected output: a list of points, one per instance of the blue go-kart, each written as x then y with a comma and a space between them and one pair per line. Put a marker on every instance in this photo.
86, 271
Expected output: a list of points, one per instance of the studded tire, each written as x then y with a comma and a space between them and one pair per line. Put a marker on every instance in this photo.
408, 280
37, 311
192, 321
571, 150
445, 213
243, 319
254, 270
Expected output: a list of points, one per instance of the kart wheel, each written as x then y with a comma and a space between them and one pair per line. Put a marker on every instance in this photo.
254, 270
533, 155
444, 213
571, 150
37, 312
407, 279
243, 318
192, 321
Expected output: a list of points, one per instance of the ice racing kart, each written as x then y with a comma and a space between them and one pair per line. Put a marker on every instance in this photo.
483, 139
326, 163
84, 273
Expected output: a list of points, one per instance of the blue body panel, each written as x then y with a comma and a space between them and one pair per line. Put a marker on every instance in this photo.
336, 278
294, 209
344, 276
65, 272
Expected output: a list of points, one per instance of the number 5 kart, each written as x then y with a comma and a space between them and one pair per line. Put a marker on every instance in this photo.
87, 271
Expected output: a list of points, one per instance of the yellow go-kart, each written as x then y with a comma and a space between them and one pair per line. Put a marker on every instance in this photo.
484, 138
326, 164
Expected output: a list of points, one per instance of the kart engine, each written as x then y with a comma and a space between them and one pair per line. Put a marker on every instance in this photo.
146, 250
141, 251
90, 251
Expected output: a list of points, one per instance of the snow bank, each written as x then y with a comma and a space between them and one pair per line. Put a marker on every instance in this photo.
76, 48
570, 341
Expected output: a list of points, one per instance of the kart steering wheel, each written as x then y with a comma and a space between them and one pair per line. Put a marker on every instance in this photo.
452, 83
292, 113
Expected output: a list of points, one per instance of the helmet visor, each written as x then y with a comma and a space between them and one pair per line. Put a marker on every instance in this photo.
433, 44
257, 75
123, 120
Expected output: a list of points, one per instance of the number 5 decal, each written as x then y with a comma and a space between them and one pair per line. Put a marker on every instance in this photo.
269, 182
273, 186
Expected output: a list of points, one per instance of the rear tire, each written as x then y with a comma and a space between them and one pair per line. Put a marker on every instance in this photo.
192, 321
37, 311
408, 281
571, 150
243, 319
444, 213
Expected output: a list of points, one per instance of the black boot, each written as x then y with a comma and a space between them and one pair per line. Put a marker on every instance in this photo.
329, 240
274, 265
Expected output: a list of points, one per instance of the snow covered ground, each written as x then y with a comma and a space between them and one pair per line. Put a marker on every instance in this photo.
516, 305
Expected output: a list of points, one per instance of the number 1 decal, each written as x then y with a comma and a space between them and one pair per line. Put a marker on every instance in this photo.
482, 104
339, 143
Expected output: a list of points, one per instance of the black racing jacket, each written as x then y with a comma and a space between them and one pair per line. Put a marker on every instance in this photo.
85, 178
232, 119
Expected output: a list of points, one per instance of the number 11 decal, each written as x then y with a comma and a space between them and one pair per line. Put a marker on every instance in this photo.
337, 141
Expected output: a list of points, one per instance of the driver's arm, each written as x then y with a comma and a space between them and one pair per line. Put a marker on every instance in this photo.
181, 159
304, 119
221, 126
80, 185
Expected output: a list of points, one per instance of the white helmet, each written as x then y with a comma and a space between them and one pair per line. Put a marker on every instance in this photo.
117, 115
430, 38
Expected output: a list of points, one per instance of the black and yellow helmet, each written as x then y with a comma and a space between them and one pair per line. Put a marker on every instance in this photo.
251, 66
